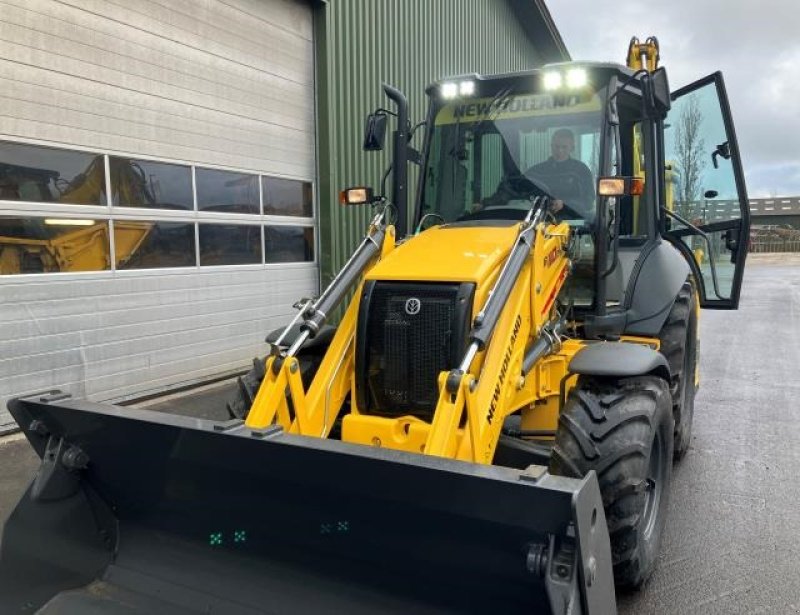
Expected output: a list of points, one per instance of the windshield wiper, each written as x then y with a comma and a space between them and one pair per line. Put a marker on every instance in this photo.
495, 105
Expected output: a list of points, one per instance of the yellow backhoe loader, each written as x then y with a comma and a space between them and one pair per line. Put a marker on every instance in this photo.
491, 427
68, 244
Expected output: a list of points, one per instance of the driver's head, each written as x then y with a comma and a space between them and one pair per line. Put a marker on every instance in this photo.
562, 144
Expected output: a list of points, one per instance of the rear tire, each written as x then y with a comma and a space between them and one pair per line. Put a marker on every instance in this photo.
246, 388
679, 346
623, 430
309, 357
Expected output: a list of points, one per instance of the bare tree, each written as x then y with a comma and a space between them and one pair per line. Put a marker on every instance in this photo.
689, 150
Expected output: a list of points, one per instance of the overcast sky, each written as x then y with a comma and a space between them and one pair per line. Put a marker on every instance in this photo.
755, 43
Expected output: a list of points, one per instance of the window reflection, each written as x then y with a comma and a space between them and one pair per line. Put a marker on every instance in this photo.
51, 175
230, 244
288, 244
702, 180
43, 245
68, 242
227, 191
143, 183
287, 197
150, 244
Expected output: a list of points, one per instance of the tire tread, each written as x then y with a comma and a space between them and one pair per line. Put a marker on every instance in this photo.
607, 426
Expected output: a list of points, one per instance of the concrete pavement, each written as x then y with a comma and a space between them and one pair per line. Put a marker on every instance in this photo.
18, 463
733, 532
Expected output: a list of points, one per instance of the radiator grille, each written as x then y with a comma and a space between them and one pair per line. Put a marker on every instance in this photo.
413, 333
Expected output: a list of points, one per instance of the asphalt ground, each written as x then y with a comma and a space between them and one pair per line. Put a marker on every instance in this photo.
732, 541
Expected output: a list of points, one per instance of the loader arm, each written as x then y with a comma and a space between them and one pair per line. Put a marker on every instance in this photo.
310, 413
495, 385
282, 398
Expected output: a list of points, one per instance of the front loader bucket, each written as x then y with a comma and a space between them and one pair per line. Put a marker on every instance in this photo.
135, 512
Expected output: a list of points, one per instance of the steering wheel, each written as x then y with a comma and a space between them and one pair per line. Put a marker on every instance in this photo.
568, 213
520, 186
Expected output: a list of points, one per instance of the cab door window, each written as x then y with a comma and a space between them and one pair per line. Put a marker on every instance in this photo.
706, 213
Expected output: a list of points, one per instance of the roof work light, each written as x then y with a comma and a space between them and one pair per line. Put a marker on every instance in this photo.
573, 79
451, 89
576, 78
552, 80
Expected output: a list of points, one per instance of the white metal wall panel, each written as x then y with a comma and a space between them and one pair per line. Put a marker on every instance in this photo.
227, 83
222, 83
138, 332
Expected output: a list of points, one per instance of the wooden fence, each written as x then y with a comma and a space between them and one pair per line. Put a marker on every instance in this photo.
775, 245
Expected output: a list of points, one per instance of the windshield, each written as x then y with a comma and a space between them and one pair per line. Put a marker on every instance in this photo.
490, 156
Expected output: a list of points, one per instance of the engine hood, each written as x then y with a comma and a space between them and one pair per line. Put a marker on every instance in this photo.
448, 254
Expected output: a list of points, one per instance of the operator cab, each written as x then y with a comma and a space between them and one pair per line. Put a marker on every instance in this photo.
496, 142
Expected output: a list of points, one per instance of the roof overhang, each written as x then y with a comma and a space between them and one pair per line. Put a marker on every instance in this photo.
541, 30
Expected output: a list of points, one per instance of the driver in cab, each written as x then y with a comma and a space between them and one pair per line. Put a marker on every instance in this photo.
569, 181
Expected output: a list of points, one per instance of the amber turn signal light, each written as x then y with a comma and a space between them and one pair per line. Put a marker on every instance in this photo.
620, 186
359, 195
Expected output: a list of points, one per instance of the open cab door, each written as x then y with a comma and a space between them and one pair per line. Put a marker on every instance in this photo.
707, 215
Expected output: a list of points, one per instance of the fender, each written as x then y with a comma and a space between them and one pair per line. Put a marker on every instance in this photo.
653, 288
619, 359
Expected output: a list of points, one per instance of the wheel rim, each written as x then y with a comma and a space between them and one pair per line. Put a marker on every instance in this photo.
686, 376
655, 484
687, 380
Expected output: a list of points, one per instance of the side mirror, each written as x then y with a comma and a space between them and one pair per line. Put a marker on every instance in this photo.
359, 195
710, 194
731, 238
375, 132
724, 150
660, 88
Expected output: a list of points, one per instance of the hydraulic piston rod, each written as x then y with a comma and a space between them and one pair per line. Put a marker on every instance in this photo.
486, 320
316, 315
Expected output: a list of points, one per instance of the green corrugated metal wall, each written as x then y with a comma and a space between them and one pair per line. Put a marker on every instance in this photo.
407, 43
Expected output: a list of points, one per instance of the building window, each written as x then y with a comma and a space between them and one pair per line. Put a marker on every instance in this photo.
227, 191
288, 244
44, 245
51, 175
230, 244
208, 224
287, 197
144, 183
142, 244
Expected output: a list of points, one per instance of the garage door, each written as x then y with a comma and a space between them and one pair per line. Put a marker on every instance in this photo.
156, 189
